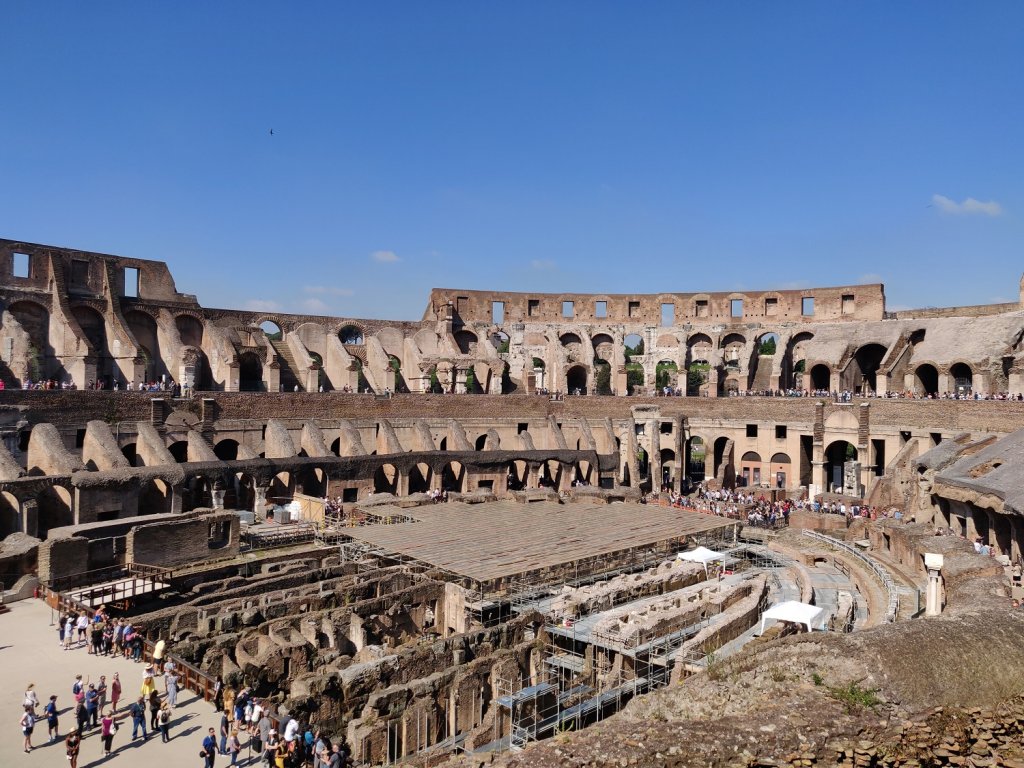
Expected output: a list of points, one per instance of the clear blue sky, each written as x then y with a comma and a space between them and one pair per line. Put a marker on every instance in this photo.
544, 146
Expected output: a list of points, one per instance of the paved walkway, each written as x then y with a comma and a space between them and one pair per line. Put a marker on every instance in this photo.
29, 653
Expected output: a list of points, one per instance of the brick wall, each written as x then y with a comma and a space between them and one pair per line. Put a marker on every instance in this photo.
177, 542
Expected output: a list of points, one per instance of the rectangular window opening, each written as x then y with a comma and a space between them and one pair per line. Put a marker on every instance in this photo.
522, 427
666, 427
807, 306
771, 307
751, 430
131, 283
79, 273
349, 495
848, 303
736, 307
634, 309
80, 438
532, 307
701, 308
567, 309
936, 438
497, 312
668, 315
20, 264
600, 309
780, 431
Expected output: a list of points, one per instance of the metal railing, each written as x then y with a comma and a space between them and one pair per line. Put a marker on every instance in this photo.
893, 607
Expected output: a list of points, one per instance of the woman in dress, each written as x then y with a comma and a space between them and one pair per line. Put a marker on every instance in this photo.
115, 692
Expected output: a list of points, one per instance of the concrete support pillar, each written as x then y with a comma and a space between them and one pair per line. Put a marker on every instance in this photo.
30, 517
680, 449
259, 505
532, 475
881, 382
401, 483
933, 594
713, 382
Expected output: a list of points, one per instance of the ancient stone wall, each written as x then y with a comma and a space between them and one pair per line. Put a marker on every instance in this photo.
171, 543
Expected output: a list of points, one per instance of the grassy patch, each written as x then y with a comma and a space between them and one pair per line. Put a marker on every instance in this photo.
854, 698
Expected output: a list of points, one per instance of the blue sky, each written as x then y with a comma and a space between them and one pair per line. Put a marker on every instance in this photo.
536, 146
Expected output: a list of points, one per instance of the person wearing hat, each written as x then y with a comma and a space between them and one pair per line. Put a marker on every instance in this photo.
148, 686
270, 748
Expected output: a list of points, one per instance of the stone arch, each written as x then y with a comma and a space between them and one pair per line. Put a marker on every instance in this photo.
453, 477
226, 449
570, 340
385, 479
155, 497
837, 453
750, 468
696, 453
779, 470
179, 450
576, 380
143, 327
250, 373
271, 327
668, 340
962, 378
34, 320
865, 364
10, 514
926, 380
466, 341
794, 363
419, 478
56, 508
352, 335
821, 377
191, 330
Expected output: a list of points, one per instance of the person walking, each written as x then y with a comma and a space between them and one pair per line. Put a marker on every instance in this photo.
234, 745
209, 752
138, 713
109, 728
50, 710
28, 723
154, 710
115, 692
73, 743
164, 720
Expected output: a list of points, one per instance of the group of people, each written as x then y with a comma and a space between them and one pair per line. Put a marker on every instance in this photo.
100, 634
296, 744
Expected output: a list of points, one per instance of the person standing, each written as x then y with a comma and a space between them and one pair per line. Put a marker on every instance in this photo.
101, 689
73, 743
210, 748
218, 693
154, 710
115, 692
92, 705
225, 725
109, 728
81, 715
138, 713
158, 654
164, 720
28, 722
171, 684
50, 710
31, 699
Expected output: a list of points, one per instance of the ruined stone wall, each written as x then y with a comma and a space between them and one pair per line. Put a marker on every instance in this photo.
855, 302
177, 542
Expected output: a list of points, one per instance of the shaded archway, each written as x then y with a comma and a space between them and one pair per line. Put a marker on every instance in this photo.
226, 449
129, 451
34, 320
179, 451
466, 341
419, 478
10, 515
576, 380
250, 372
351, 334
55, 509
836, 456
155, 498
821, 377
453, 476
385, 479
778, 470
695, 456
750, 468
865, 367
669, 470
144, 329
963, 378
926, 380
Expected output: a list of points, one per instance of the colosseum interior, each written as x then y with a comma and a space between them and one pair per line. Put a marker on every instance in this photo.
491, 535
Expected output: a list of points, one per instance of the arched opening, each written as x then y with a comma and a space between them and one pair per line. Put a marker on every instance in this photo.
821, 377
179, 451
550, 474
246, 492
581, 473
779, 470
155, 498
10, 515
466, 341
634, 352
668, 466
837, 475
129, 452
55, 509
385, 479
272, 330
695, 456
452, 477
190, 329
719, 455
143, 328
281, 488
419, 479
35, 322
226, 450
760, 374
602, 376
95, 329
250, 372
666, 374
517, 475
963, 379
732, 346
481, 442
866, 364
576, 380
750, 469
396, 365
351, 334
926, 380
604, 346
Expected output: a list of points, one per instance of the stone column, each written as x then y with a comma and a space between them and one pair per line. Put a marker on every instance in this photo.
259, 505
933, 595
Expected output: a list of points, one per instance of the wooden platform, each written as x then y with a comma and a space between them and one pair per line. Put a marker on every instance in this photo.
485, 542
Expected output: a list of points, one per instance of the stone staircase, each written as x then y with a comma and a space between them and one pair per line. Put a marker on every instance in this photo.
289, 369
763, 373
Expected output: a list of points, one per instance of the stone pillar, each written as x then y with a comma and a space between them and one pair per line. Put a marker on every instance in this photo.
713, 382
532, 475
30, 517
680, 448
460, 380
259, 505
933, 595
401, 483
881, 382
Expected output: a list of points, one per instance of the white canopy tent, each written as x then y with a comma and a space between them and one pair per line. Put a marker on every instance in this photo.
702, 555
811, 616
